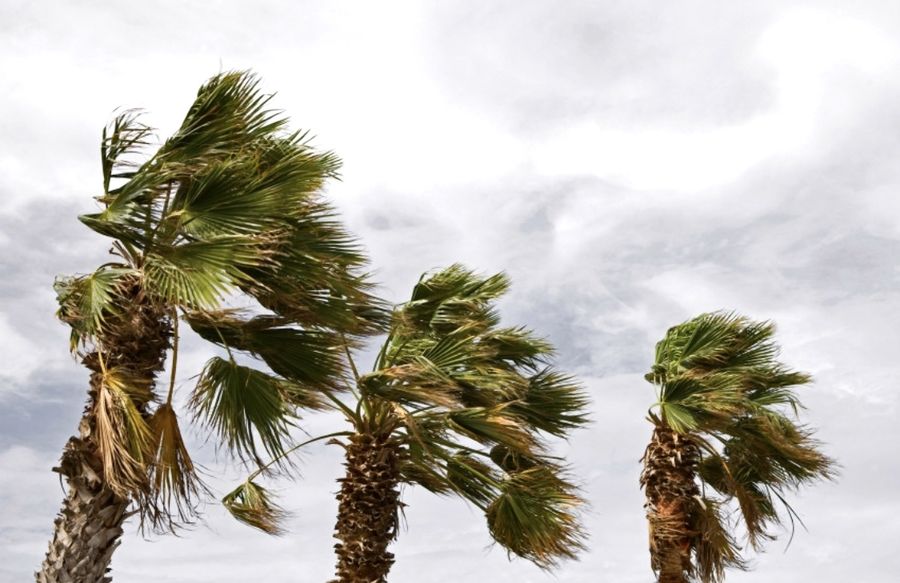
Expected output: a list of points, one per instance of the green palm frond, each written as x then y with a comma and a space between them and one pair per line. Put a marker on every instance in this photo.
243, 406
420, 383
310, 358
200, 273
228, 113
125, 136
86, 301
553, 402
493, 426
452, 300
473, 479
766, 457
518, 346
535, 517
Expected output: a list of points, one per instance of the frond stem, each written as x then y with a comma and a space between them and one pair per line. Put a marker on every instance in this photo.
174, 357
351, 415
287, 452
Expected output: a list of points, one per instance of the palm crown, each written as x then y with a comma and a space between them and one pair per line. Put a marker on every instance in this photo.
458, 405
227, 205
726, 416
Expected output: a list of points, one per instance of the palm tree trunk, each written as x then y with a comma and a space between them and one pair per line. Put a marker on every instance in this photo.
88, 528
670, 464
368, 509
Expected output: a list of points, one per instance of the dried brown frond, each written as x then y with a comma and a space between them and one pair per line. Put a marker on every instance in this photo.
124, 439
253, 505
176, 485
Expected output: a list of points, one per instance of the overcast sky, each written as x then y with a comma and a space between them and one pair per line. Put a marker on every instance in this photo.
629, 164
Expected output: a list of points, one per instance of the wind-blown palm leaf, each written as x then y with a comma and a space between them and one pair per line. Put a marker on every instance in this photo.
200, 274
125, 136
534, 516
176, 483
86, 301
124, 439
252, 504
553, 403
243, 406
312, 358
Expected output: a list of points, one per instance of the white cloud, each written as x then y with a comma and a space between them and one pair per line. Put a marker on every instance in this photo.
804, 50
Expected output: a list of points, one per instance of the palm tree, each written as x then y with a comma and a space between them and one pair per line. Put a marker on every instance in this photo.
724, 433
227, 206
460, 406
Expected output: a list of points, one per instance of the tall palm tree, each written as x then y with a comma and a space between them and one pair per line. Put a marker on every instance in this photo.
725, 432
229, 205
460, 406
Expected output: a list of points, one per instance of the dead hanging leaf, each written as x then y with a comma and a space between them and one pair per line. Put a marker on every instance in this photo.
253, 505
123, 436
174, 479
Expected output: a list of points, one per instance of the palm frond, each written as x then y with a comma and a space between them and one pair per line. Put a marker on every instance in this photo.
535, 517
199, 273
86, 301
472, 479
554, 403
124, 439
228, 114
412, 384
253, 505
125, 136
518, 346
176, 485
494, 426
453, 300
716, 547
311, 358
243, 406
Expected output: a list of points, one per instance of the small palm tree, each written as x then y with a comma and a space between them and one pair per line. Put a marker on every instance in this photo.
228, 205
457, 405
724, 432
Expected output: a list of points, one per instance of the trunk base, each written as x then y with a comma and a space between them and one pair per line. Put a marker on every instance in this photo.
88, 528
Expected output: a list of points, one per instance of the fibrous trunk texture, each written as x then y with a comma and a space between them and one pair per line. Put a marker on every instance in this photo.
670, 464
89, 525
368, 509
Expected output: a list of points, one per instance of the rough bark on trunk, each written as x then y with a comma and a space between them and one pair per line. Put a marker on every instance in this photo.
368, 510
670, 464
89, 525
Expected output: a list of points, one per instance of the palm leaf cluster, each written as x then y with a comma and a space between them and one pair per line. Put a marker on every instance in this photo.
229, 205
471, 399
470, 405
722, 389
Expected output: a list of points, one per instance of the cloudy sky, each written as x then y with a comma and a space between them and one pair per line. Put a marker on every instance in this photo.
630, 164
